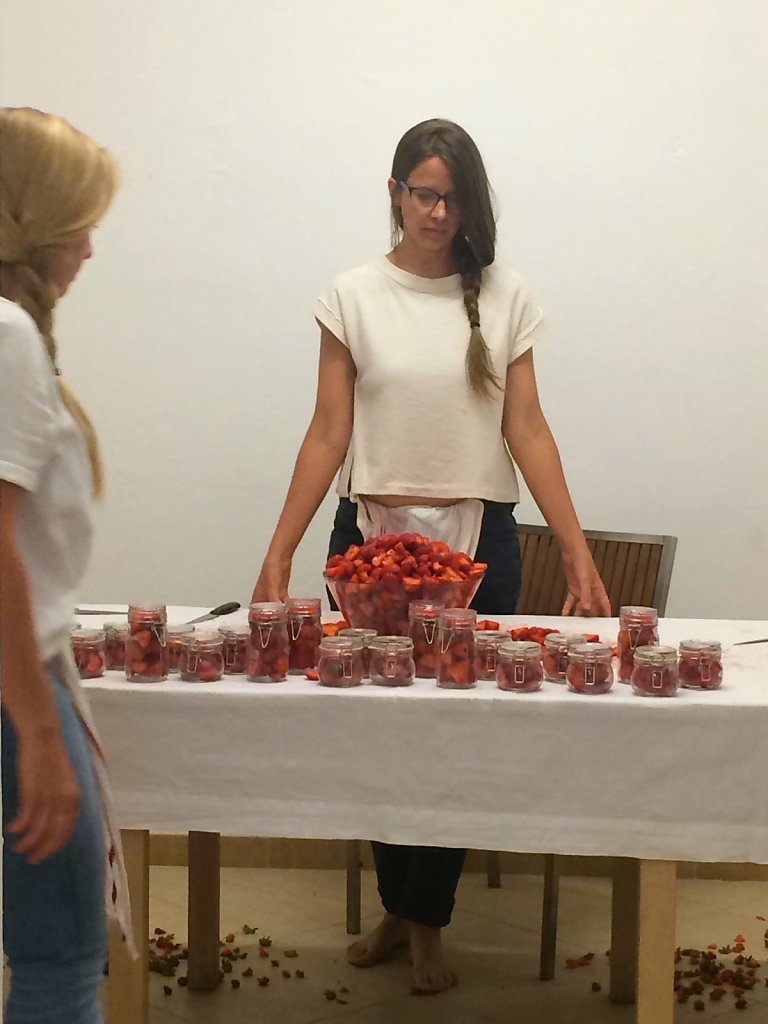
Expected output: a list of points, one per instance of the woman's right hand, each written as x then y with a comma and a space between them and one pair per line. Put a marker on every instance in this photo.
49, 797
272, 584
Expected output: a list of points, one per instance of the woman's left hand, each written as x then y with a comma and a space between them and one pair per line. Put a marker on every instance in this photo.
586, 593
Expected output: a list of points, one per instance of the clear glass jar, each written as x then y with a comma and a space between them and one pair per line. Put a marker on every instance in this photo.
115, 637
234, 648
518, 667
557, 647
391, 661
268, 644
305, 632
655, 672
202, 658
366, 635
341, 661
422, 629
88, 651
590, 668
146, 649
176, 637
456, 668
638, 627
701, 664
487, 644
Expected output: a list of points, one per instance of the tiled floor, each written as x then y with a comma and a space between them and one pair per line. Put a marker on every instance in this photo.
492, 943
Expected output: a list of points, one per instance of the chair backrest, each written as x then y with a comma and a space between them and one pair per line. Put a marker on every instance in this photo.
635, 569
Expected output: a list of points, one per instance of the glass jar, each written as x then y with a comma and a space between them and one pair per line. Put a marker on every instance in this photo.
701, 664
638, 627
234, 649
518, 667
115, 637
201, 659
341, 661
146, 649
655, 672
268, 643
88, 651
422, 629
487, 644
304, 634
391, 661
456, 669
365, 635
176, 637
557, 647
590, 668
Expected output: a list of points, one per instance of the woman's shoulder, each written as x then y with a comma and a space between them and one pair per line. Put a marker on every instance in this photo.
19, 336
356, 278
503, 278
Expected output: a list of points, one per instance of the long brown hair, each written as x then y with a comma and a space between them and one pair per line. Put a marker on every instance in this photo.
55, 184
474, 245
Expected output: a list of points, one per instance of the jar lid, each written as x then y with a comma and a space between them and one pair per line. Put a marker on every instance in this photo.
711, 647
207, 640
491, 636
458, 616
303, 605
592, 650
341, 645
358, 632
565, 640
636, 611
520, 649
234, 632
88, 635
182, 629
654, 654
269, 611
424, 609
147, 610
391, 645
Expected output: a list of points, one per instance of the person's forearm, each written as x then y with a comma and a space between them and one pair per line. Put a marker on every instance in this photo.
316, 465
539, 461
26, 697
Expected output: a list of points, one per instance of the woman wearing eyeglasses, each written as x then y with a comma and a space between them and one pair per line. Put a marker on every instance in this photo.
426, 395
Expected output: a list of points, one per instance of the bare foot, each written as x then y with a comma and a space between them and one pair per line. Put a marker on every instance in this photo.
430, 974
377, 945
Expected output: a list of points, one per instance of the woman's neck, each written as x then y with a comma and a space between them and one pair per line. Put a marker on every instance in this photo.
421, 262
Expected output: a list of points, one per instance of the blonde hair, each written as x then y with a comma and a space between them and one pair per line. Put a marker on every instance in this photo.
55, 185
474, 246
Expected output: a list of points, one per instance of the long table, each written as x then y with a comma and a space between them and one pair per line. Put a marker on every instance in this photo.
551, 772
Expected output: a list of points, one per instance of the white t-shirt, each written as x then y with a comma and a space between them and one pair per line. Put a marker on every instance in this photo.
43, 451
419, 429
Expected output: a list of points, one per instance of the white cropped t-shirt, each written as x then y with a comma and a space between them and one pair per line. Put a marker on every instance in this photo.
419, 429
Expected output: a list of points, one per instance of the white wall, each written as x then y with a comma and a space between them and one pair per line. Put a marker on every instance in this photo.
627, 144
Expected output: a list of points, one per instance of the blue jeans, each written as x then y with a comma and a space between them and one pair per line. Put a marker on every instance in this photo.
54, 922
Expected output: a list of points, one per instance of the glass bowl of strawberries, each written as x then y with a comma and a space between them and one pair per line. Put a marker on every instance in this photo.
375, 582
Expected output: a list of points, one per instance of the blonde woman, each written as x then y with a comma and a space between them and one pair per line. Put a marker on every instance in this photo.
59, 855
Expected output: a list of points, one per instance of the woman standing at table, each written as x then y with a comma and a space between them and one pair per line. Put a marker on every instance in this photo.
55, 186
426, 394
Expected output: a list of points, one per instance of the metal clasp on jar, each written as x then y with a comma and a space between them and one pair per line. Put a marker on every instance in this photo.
264, 643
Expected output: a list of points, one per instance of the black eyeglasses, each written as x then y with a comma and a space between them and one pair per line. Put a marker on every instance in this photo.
428, 199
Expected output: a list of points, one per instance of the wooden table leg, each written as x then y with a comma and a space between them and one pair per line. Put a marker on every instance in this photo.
203, 908
128, 985
625, 908
656, 945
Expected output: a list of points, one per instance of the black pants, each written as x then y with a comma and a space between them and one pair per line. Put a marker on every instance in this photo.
419, 882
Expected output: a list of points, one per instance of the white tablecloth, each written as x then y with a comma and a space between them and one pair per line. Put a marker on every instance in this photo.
618, 775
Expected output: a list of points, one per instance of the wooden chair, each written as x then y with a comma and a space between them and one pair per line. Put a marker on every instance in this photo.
635, 569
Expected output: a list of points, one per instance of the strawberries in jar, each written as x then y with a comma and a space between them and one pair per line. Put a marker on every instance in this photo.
201, 659
341, 661
456, 667
365, 636
234, 649
487, 643
557, 647
115, 636
305, 632
655, 673
88, 651
391, 661
701, 665
590, 668
422, 629
267, 660
638, 627
146, 648
518, 669
176, 636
